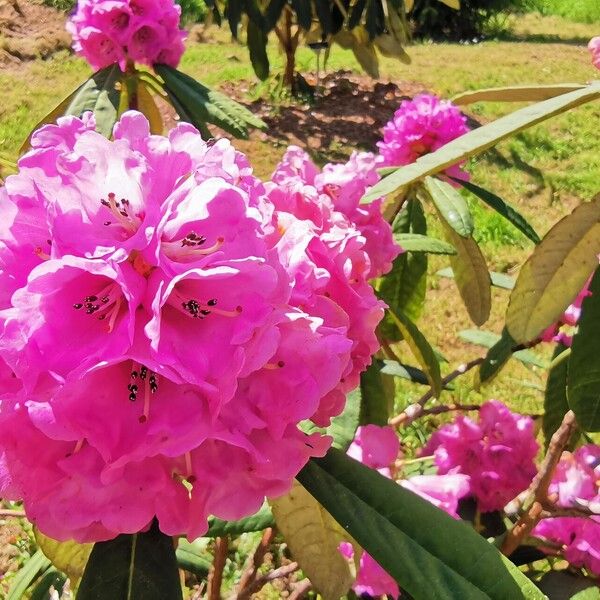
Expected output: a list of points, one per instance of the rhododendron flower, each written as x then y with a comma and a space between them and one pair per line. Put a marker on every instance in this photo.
576, 482
443, 491
594, 48
164, 330
376, 447
117, 31
497, 453
562, 331
420, 126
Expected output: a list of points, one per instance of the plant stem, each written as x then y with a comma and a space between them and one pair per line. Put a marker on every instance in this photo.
249, 576
215, 577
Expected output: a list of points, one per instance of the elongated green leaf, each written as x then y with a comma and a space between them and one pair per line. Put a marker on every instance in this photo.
555, 272
499, 280
516, 93
487, 339
421, 350
563, 585
430, 554
344, 426
480, 139
450, 205
234, 10
273, 13
202, 105
356, 13
190, 557
376, 403
257, 47
503, 208
51, 578
133, 567
27, 574
303, 13
99, 95
403, 288
396, 369
415, 242
496, 357
556, 404
323, 10
313, 538
471, 275
257, 522
69, 557
583, 387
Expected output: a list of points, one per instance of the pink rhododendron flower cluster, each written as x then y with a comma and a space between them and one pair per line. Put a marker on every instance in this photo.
106, 32
164, 328
594, 48
562, 331
420, 126
497, 453
576, 482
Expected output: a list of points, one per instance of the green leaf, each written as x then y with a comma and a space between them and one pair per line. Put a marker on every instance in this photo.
499, 280
415, 242
234, 11
27, 574
479, 140
488, 339
99, 95
376, 404
51, 578
583, 379
420, 349
344, 426
256, 522
555, 397
503, 208
562, 585
273, 13
139, 566
202, 105
356, 13
323, 10
303, 13
69, 557
189, 557
396, 369
430, 554
555, 273
496, 357
257, 47
403, 288
516, 93
450, 205
470, 273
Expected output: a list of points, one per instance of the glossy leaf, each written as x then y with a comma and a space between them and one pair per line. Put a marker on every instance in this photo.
189, 557
516, 93
256, 522
430, 554
313, 538
202, 105
356, 13
137, 567
479, 140
556, 404
27, 574
257, 47
497, 356
273, 13
421, 350
583, 387
69, 557
376, 403
416, 242
147, 105
503, 208
303, 13
51, 578
343, 427
403, 288
488, 339
451, 206
234, 10
555, 273
396, 369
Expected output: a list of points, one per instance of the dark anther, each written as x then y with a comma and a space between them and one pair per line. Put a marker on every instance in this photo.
212, 302
107, 223
105, 299
77, 306
91, 298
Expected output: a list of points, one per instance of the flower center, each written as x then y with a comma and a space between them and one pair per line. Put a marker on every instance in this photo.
197, 309
106, 304
190, 247
120, 212
142, 377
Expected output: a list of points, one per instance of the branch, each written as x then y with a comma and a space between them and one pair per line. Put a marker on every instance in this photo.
257, 585
215, 577
19, 514
537, 493
416, 410
300, 589
249, 575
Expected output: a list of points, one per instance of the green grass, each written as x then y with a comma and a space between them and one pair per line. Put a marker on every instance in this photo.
580, 11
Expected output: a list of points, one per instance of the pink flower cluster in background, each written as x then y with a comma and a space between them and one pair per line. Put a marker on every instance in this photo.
378, 448
166, 322
576, 483
497, 453
420, 126
562, 331
106, 32
594, 48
